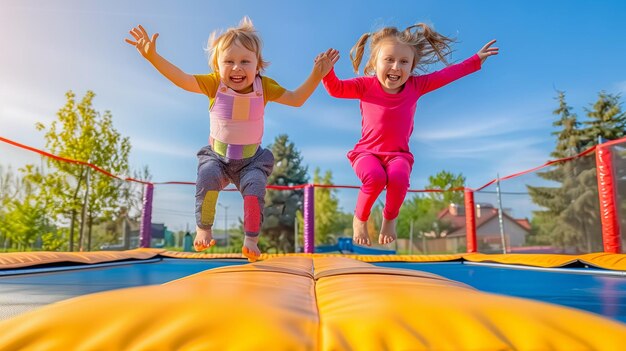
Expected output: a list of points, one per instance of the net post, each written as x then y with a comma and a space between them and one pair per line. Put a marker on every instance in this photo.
145, 234
470, 221
309, 218
607, 196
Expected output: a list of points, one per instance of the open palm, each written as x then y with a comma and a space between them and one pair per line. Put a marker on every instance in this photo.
487, 51
144, 44
325, 61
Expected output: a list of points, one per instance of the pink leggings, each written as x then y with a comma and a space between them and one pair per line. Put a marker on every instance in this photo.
376, 172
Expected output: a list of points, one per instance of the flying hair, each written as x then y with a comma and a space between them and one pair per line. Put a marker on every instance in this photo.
428, 46
245, 34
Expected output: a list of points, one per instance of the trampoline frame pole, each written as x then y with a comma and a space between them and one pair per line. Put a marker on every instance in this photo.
309, 218
470, 221
145, 234
608, 200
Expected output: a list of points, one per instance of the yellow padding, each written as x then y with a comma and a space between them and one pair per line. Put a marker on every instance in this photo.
537, 260
338, 266
599, 259
303, 303
27, 259
383, 312
605, 260
292, 265
245, 310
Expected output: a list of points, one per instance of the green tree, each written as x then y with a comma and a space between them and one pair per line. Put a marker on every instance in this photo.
569, 143
605, 119
80, 194
8, 191
423, 209
447, 182
569, 138
24, 220
281, 205
570, 210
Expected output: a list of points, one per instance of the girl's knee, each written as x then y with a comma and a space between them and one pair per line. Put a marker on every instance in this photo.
211, 178
375, 180
253, 182
209, 171
398, 180
399, 172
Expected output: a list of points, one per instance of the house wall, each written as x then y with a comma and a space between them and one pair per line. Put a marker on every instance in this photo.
515, 235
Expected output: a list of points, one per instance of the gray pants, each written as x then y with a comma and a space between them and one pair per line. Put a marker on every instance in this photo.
215, 172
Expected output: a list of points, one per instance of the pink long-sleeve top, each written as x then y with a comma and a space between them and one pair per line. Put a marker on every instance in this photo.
387, 119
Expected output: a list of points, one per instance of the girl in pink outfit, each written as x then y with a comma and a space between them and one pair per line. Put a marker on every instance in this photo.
388, 95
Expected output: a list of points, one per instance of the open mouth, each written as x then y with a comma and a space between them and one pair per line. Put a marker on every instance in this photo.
393, 77
237, 79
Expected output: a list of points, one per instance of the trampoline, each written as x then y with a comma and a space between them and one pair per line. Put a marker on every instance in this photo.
43, 292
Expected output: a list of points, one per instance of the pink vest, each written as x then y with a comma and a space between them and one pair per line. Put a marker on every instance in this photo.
237, 121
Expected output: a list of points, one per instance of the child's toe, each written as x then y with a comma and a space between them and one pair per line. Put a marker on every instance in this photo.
251, 255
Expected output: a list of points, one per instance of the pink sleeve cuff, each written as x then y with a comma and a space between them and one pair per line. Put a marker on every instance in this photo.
475, 59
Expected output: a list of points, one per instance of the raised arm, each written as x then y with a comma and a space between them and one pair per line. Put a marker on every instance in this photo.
146, 46
451, 73
322, 65
347, 89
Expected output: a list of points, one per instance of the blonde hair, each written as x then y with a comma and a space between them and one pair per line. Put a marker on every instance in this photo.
244, 34
427, 45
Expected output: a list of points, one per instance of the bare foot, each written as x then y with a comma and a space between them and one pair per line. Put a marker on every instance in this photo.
250, 248
204, 239
360, 235
387, 231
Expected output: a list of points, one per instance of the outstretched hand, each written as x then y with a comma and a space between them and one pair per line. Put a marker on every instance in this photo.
325, 61
487, 51
144, 44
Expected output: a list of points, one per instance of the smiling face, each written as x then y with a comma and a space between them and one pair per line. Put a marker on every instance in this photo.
238, 67
394, 64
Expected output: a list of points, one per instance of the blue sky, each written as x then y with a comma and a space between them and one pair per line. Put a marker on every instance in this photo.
498, 120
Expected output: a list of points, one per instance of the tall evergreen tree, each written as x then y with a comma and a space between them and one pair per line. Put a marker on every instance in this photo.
281, 206
605, 119
569, 140
569, 143
570, 218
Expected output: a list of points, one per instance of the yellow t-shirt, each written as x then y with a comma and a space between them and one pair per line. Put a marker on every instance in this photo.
209, 83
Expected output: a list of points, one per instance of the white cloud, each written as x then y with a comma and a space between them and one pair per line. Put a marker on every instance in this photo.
471, 126
480, 148
520, 160
20, 109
